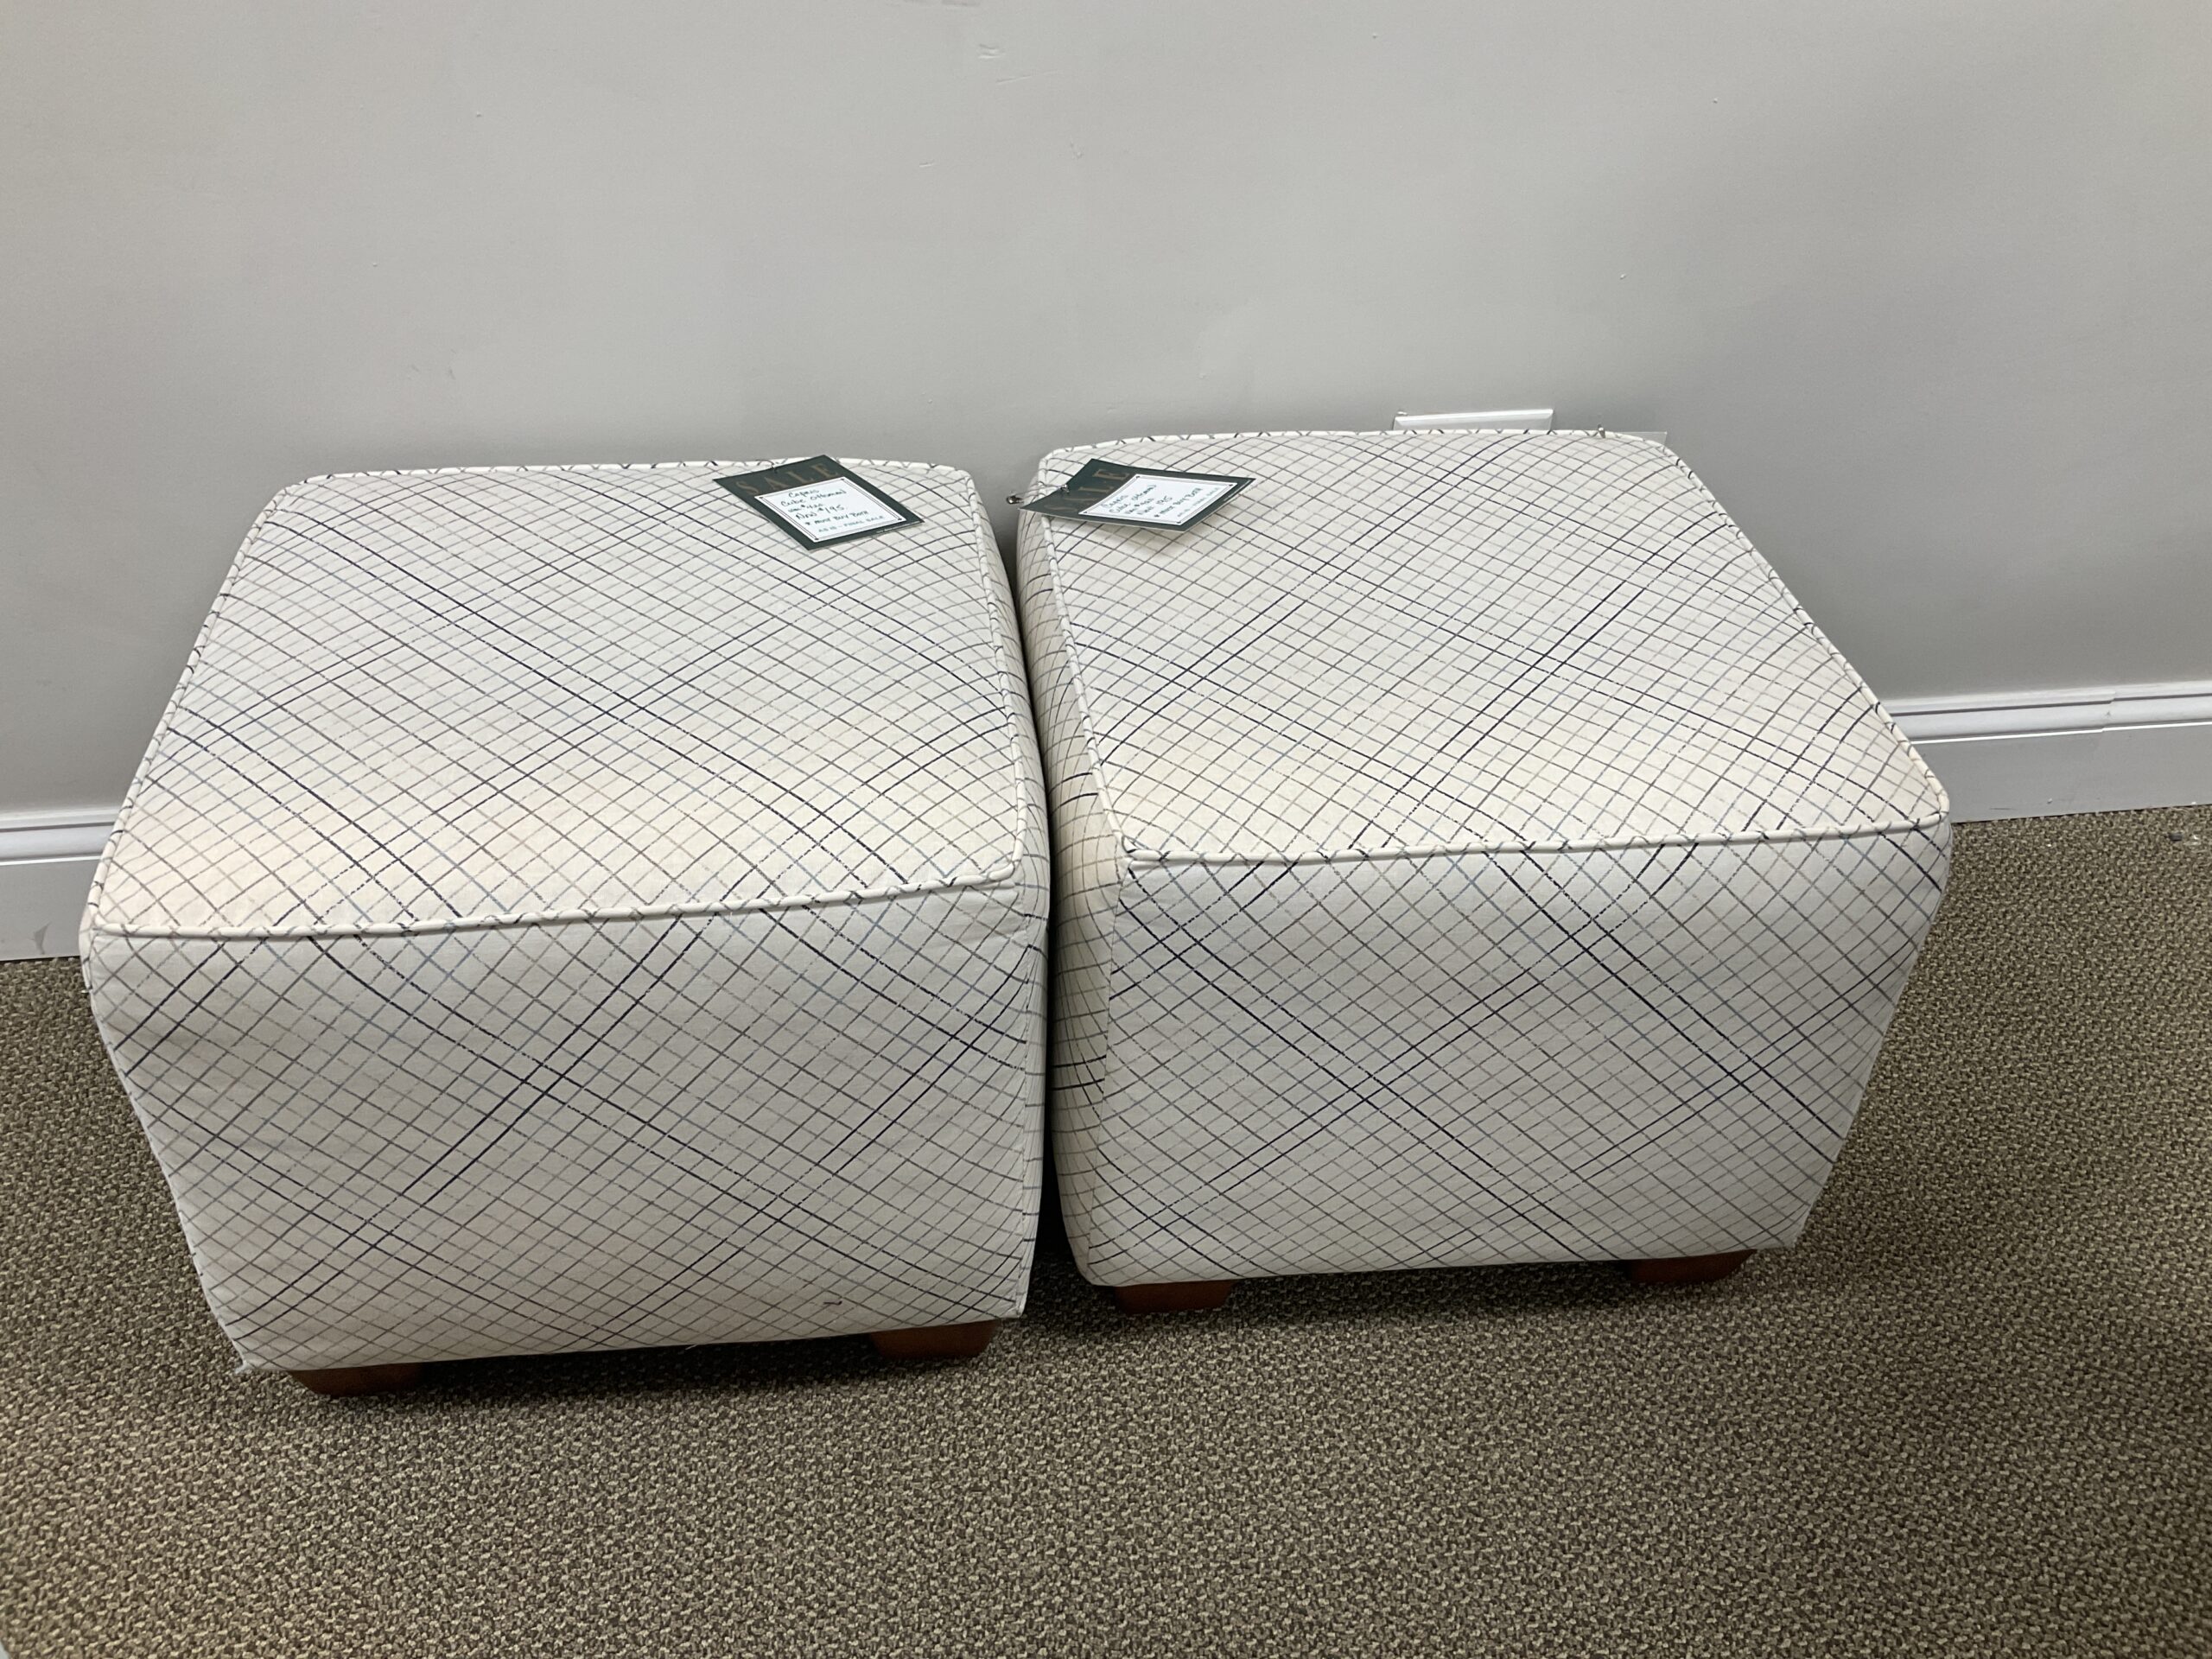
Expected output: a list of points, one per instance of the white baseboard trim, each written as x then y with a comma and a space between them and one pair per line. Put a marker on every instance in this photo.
2092, 749
46, 861
2000, 756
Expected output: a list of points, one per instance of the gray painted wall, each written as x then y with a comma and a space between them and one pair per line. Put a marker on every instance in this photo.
1924, 290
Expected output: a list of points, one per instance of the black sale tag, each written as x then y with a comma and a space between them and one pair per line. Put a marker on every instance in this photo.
818, 502
1108, 492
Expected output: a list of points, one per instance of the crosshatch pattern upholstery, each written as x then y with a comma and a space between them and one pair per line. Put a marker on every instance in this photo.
559, 912
1466, 851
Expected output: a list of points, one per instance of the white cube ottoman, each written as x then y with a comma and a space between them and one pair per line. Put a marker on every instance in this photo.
559, 911
1466, 852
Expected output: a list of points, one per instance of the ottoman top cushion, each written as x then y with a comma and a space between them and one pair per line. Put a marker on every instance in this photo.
473, 697
1401, 643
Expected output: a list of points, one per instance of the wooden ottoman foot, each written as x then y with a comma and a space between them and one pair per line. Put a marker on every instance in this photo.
936, 1341
360, 1379
1688, 1269
1193, 1296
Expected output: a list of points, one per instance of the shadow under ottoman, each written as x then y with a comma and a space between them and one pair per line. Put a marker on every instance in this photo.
559, 912
1466, 852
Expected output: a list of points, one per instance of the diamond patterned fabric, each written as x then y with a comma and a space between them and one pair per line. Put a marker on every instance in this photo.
557, 912
429, 697
1467, 851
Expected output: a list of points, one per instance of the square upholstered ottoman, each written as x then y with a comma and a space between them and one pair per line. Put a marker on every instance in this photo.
558, 910
1466, 852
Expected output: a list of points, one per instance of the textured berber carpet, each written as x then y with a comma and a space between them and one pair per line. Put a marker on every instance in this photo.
1971, 1413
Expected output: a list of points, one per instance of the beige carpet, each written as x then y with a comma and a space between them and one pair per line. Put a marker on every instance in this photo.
1972, 1413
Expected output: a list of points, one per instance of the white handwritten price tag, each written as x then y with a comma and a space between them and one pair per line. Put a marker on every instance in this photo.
1149, 498
818, 502
828, 512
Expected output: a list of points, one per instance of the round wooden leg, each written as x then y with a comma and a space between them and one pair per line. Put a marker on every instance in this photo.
360, 1379
1193, 1296
936, 1341
1688, 1269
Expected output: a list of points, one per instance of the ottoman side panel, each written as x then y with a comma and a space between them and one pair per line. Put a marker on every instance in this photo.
776, 1123
1449, 1061
1089, 868
1028, 893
